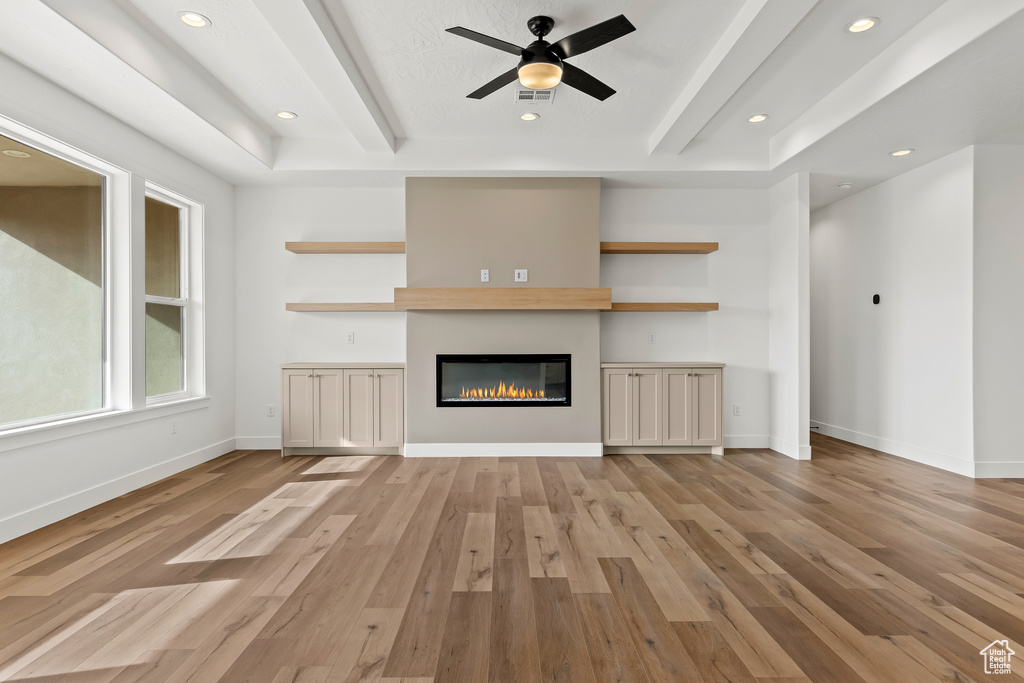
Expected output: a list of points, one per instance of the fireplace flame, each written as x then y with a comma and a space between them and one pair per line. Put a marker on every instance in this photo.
501, 391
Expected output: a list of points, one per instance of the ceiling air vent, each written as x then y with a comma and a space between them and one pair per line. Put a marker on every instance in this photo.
527, 96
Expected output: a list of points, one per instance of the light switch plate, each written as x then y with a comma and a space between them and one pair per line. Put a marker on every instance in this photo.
521, 275
485, 275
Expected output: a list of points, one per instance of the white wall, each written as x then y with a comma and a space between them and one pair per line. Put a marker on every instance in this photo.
998, 310
788, 316
736, 276
44, 481
268, 276
897, 376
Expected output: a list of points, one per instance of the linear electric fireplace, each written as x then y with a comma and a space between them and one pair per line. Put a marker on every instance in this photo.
533, 379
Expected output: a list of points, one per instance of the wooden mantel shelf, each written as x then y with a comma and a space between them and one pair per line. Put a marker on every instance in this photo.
345, 247
664, 306
503, 298
658, 247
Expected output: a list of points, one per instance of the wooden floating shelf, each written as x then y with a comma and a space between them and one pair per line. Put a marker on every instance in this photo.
663, 306
658, 247
503, 298
345, 247
399, 247
340, 308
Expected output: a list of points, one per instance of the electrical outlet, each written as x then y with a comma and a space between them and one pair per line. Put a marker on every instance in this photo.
174, 427
521, 275
350, 337
485, 275
736, 409
650, 337
270, 410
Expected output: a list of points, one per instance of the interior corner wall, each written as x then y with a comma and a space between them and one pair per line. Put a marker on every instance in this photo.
789, 316
735, 276
268, 277
897, 376
998, 315
43, 482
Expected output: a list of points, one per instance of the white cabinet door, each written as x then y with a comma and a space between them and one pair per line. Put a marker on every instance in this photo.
707, 406
297, 408
328, 402
647, 407
358, 407
617, 406
678, 402
389, 407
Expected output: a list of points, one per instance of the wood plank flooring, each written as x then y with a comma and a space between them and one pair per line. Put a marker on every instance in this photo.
855, 566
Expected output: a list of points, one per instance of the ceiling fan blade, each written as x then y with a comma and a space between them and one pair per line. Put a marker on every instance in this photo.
584, 82
486, 40
595, 36
498, 83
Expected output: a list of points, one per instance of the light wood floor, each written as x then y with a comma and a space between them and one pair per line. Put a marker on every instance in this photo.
749, 567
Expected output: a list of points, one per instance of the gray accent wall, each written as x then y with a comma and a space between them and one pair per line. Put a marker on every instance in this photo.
454, 228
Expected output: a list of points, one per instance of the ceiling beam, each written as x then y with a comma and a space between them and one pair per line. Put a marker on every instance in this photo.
940, 35
758, 28
175, 73
306, 29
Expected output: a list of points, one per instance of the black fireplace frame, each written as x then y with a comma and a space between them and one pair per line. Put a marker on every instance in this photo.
504, 358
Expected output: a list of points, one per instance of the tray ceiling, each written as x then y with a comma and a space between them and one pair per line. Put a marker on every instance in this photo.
380, 86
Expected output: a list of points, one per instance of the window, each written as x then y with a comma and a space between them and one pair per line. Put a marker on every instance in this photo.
166, 298
52, 287
85, 340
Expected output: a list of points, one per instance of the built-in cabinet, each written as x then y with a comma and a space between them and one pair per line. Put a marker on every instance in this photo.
338, 406
661, 407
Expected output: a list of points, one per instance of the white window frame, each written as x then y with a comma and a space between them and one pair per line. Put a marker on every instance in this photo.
124, 381
190, 227
113, 185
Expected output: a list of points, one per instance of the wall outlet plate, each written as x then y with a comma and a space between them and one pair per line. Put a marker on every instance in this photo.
650, 337
521, 275
270, 410
736, 409
485, 275
350, 337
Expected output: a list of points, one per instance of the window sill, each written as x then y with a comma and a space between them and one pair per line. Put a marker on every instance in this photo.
32, 435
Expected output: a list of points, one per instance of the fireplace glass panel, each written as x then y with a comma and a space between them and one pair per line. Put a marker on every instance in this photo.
503, 380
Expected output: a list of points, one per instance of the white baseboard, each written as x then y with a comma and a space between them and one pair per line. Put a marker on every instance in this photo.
747, 441
902, 450
467, 450
54, 511
789, 448
258, 443
999, 470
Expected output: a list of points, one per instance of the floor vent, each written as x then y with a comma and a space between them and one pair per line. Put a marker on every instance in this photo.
526, 96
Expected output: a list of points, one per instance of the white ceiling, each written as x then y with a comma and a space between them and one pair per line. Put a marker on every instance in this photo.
380, 86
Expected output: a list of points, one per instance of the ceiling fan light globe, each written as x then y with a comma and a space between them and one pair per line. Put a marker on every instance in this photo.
540, 75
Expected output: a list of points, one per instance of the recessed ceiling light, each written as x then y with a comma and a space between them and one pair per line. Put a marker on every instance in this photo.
194, 19
844, 186
17, 153
862, 24
758, 118
901, 152
287, 115
530, 116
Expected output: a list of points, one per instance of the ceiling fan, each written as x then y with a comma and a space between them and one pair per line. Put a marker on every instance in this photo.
542, 64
